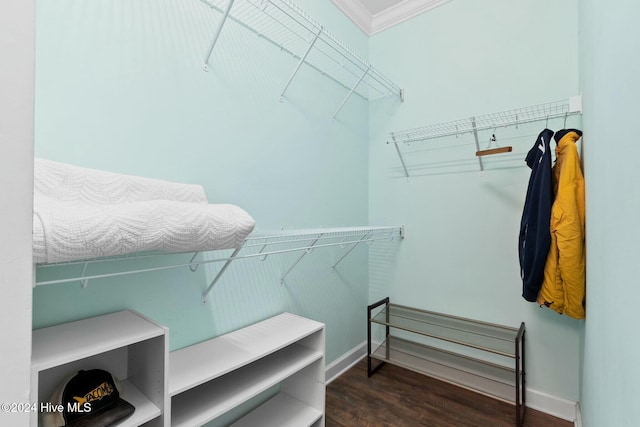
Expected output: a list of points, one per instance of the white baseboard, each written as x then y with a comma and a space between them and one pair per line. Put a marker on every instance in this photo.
552, 405
345, 362
543, 402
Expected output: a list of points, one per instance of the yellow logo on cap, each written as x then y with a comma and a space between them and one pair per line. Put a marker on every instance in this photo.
103, 390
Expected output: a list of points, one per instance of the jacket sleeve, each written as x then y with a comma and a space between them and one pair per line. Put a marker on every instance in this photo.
570, 235
535, 234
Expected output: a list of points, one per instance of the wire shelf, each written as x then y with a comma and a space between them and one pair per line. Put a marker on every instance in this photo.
291, 29
473, 125
260, 245
507, 118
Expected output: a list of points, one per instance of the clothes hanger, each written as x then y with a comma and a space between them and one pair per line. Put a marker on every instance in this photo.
489, 151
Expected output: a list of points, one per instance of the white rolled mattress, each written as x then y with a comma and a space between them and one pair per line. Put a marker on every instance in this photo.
82, 213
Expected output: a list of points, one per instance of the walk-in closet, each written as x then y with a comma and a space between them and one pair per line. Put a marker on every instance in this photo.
318, 212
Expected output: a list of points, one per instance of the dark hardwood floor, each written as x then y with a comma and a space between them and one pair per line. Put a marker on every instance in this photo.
396, 397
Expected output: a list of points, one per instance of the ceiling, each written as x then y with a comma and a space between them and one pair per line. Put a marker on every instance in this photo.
377, 6
373, 16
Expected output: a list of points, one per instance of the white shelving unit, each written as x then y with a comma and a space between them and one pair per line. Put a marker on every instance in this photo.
282, 411
128, 345
209, 379
197, 384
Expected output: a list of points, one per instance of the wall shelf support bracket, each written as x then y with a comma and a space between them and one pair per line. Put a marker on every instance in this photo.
222, 270
475, 136
205, 67
191, 266
85, 282
353, 89
307, 250
302, 60
395, 142
350, 250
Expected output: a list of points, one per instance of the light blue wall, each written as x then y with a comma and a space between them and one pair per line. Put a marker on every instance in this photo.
609, 70
120, 86
460, 254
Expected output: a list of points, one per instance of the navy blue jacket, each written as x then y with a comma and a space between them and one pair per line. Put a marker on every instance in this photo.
535, 227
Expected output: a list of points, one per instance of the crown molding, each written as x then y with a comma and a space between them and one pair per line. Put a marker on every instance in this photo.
357, 12
400, 12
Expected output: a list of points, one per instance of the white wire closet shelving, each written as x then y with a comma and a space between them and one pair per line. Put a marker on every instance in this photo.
292, 30
260, 246
475, 124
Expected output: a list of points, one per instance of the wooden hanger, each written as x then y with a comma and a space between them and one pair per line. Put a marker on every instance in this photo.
496, 150
493, 151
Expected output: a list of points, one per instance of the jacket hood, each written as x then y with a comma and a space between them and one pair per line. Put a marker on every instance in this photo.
572, 134
566, 138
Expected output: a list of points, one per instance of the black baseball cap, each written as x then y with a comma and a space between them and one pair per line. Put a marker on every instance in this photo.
89, 398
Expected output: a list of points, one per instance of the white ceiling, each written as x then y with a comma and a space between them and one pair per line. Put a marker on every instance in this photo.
373, 16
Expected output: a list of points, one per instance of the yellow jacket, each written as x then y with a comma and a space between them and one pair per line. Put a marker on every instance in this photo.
563, 289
